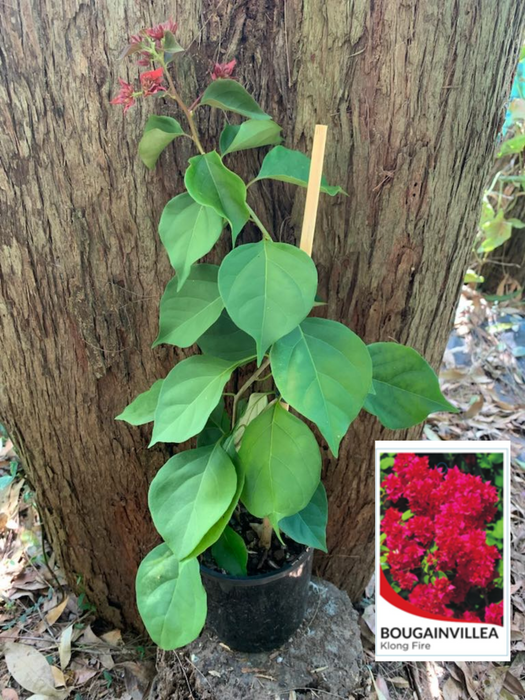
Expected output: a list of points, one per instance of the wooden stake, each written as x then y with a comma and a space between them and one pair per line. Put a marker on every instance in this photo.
307, 241
312, 194
314, 189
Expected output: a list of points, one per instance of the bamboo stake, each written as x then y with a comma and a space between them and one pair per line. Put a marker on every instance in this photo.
312, 194
306, 244
314, 189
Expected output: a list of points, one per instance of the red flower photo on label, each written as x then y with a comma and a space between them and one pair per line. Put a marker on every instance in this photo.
442, 533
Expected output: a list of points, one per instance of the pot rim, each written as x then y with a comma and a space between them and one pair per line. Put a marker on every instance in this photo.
258, 579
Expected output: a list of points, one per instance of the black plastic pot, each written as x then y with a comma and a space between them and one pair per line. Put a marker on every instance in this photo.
258, 613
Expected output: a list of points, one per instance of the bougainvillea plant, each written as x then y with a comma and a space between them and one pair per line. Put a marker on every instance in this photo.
251, 310
442, 538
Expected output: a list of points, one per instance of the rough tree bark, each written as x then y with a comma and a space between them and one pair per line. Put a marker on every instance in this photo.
400, 86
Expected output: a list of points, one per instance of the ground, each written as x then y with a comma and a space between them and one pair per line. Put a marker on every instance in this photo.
483, 374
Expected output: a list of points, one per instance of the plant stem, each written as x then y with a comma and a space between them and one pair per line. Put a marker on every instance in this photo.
172, 92
246, 385
266, 533
259, 224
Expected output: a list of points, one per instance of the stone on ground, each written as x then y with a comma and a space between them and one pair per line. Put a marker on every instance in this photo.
324, 654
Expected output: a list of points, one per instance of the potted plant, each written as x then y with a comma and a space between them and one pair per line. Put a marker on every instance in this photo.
243, 509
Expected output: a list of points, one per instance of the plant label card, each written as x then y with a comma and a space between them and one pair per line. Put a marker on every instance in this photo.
442, 550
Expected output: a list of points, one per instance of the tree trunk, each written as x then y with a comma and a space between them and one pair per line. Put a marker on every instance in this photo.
413, 94
507, 263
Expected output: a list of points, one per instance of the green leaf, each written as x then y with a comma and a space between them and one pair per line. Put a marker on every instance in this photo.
186, 314
159, 132
142, 409
188, 396
230, 553
188, 231
217, 426
267, 288
513, 145
216, 530
309, 525
496, 232
281, 462
171, 598
407, 388
256, 405
250, 134
230, 96
189, 494
170, 45
210, 183
291, 166
324, 371
471, 276
225, 340
516, 223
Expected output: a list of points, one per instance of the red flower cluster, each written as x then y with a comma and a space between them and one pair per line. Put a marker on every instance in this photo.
138, 42
223, 70
150, 82
444, 536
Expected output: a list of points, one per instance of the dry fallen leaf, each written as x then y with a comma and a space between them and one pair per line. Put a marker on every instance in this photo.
107, 661
89, 638
452, 690
467, 674
496, 678
474, 408
54, 614
64, 647
58, 677
83, 675
30, 669
513, 684
113, 638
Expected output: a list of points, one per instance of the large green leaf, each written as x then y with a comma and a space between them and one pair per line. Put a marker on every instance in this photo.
171, 598
142, 409
210, 183
250, 134
188, 231
216, 530
217, 426
159, 132
291, 166
406, 387
230, 96
324, 371
186, 314
230, 553
189, 495
267, 288
281, 462
309, 525
224, 339
189, 394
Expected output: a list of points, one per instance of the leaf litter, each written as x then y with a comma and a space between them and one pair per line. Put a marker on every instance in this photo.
51, 644
483, 374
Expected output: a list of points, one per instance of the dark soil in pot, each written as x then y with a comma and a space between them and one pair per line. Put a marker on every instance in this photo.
260, 560
261, 611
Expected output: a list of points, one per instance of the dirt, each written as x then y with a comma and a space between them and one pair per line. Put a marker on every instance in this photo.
322, 658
